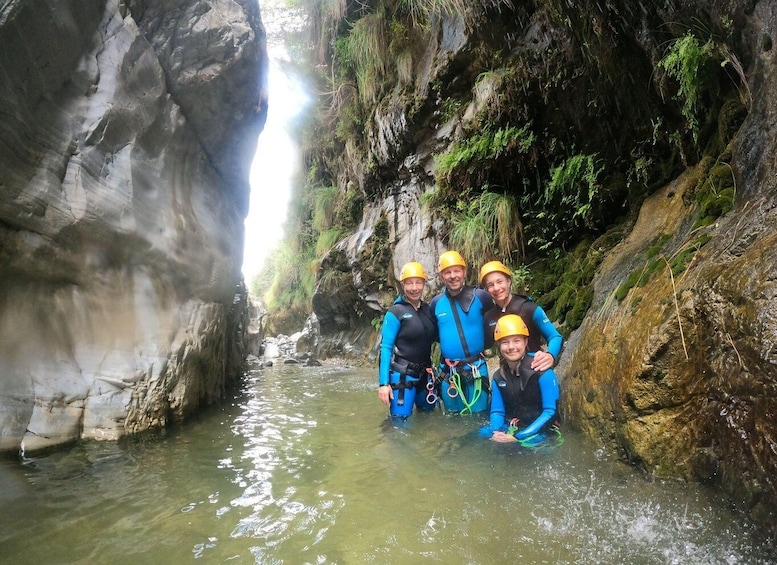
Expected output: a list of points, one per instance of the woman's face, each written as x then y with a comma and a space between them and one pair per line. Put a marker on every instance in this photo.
498, 286
513, 347
413, 287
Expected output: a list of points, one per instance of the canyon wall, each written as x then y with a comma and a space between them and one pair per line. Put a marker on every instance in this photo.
126, 138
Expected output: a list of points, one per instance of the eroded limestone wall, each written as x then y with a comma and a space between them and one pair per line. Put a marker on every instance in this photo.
125, 144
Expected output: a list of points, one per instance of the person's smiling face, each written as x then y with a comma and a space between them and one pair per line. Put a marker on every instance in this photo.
498, 286
454, 277
413, 287
513, 347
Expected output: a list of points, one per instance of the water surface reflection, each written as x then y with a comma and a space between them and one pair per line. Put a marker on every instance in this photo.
301, 468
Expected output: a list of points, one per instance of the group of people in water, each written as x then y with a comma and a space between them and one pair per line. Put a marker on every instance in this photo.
520, 397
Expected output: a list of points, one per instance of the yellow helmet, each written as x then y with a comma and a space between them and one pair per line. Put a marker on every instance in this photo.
493, 267
412, 269
449, 259
510, 325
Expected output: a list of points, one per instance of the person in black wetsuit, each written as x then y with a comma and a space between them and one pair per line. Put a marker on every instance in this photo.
495, 277
523, 401
408, 332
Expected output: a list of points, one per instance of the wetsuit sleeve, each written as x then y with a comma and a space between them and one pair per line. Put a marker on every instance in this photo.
549, 391
496, 419
388, 337
549, 332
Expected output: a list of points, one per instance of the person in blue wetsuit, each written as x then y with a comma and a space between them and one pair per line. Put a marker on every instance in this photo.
523, 401
459, 310
496, 279
408, 332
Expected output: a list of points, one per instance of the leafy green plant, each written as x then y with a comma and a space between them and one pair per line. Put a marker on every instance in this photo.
488, 225
521, 278
287, 282
684, 62
330, 279
568, 200
367, 48
483, 146
691, 63
420, 12
324, 201
327, 239
575, 185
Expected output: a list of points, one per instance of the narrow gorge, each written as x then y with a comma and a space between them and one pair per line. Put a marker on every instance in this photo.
618, 155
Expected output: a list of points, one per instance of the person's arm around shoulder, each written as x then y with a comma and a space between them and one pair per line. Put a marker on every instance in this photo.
544, 360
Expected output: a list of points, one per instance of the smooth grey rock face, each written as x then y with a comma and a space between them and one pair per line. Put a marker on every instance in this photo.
125, 144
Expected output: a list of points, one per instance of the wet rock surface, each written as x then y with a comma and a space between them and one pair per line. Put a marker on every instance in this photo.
123, 187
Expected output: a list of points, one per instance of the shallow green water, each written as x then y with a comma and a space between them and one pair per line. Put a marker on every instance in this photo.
301, 467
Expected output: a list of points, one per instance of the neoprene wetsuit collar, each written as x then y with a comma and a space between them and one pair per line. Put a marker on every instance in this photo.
465, 298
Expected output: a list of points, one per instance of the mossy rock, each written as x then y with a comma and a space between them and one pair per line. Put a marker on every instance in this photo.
730, 118
658, 246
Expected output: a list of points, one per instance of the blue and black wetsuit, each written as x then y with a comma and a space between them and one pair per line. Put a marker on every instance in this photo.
405, 354
535, 319
460, 321
526, 397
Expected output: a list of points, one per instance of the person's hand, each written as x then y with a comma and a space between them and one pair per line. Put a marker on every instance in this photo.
542, 361
386, 394
502, 437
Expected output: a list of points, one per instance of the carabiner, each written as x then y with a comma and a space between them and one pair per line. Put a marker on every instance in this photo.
513, 426
453, 390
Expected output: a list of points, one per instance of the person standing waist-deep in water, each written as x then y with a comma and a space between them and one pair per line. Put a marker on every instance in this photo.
408, 332
496, 279
523, 401
459, 310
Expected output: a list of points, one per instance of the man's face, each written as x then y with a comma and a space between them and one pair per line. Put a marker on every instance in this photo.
453, 278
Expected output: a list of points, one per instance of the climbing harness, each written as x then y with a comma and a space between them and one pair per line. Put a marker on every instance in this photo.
401, 386
431, 395
454, 381
456, 388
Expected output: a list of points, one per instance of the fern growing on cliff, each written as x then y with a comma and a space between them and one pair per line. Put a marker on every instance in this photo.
685, 61
481, 148
567, 202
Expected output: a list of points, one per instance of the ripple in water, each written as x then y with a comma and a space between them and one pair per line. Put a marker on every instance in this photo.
302, 467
